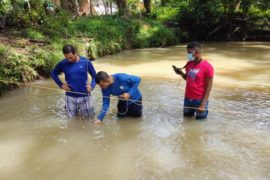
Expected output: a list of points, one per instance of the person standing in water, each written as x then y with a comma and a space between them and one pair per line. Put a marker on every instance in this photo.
199, 79
126, 88
78, 89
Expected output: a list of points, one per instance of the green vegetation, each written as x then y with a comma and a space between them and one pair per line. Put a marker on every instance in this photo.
111, 34
93, 36
216, 20
34, 36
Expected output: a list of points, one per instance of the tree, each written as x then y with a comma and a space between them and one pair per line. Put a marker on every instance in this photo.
57, 2
84, 6
122, 6
147, 6
163, 2
71, 5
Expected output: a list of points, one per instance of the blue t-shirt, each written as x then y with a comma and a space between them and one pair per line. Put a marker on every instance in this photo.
76, 75
123, 83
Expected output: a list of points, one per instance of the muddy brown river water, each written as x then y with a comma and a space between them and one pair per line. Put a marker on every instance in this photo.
38, 142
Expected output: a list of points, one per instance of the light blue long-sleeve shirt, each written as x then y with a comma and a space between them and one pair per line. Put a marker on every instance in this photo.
123, 83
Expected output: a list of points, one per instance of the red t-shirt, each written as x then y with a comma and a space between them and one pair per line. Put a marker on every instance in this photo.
196, 79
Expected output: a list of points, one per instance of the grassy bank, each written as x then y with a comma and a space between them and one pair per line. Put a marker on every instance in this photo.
31, 53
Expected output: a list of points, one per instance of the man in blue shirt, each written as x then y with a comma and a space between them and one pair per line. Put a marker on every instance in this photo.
78, 90
126, 88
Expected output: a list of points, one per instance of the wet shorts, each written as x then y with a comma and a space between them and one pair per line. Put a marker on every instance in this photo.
132, 110
82, 106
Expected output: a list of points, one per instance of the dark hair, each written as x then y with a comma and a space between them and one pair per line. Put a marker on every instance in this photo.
101, 76
193, 45
69, 49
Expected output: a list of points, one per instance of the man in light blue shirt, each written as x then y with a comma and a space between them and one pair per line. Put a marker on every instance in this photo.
126, 88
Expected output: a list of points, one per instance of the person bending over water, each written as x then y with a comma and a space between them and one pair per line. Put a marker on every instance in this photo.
124, 86
199, 79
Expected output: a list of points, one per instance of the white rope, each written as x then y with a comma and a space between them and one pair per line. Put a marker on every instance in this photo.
134, 101
80, 93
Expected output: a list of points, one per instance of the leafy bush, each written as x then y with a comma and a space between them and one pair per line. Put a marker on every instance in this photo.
34, 34
111, 34
15, 66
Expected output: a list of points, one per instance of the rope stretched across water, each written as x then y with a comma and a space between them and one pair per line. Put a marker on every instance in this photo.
86, 94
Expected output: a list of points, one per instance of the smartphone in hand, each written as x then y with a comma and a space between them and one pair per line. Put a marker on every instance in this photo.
177, 70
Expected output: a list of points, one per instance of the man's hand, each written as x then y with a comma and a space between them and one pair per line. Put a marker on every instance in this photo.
177, 70
125, 96
201, 108
97, 121
65, 87
89, 88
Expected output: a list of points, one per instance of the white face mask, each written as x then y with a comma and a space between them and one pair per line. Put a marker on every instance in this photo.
190, 57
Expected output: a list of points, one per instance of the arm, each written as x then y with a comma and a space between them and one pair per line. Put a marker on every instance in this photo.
105, 105
183, 75
134, 82
92, 72
55, 73
209, 82
179, 72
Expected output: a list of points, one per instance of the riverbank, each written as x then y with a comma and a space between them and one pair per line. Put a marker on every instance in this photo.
30, 54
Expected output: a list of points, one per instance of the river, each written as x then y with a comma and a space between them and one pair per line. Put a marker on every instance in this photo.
38, 142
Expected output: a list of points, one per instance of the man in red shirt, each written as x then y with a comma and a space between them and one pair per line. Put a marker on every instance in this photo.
199, 79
